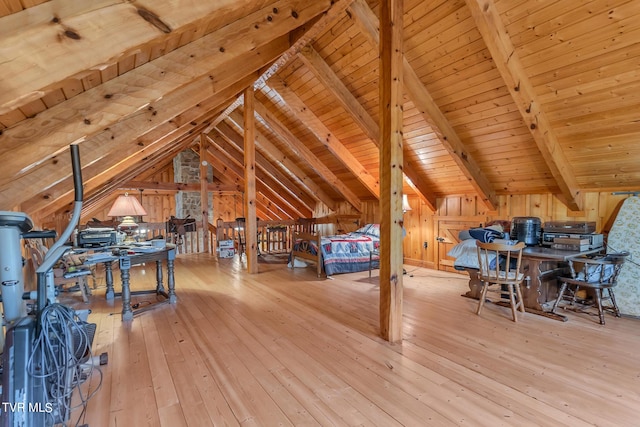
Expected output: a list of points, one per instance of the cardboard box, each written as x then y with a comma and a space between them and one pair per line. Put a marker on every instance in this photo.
226, 244
227, 253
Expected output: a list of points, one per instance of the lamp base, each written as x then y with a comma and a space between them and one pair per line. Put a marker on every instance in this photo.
128, 226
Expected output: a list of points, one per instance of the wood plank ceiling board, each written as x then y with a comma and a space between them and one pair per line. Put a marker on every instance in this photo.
365, 19
127, 131
278, 159
323, 135
68, 42
366, 123
103, 156
131, 92
349, 65
588, 83
457, 83
277, 109
583, 93
305, 154
232, 162
268, 173
511, 70
259, 56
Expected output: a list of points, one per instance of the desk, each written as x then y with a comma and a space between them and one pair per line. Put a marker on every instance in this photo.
126, 261
541, 266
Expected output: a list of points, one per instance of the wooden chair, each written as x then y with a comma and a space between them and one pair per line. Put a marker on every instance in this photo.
63, 275
500, 264
240, 230
595, 275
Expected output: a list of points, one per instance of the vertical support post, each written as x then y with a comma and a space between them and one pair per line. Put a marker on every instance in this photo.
391, 161
251, 230
204, 194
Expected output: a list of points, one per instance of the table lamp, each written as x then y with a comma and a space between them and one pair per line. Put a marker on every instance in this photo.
405, 204
127, 207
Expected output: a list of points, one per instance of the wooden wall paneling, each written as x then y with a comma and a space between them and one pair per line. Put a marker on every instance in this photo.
453, 207
468, 205
600, 207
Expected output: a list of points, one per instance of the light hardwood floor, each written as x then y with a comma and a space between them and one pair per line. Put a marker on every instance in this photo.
283, 347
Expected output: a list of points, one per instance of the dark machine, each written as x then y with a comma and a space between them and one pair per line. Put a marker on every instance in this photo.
526, 229
96, 237
47, 346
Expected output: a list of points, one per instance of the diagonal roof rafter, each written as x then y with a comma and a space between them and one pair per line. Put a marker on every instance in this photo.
368, 22
507, 61
332, 83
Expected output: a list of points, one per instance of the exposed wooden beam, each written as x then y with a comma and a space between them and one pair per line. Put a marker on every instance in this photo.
298, 109
221, 162
128, 27
312, 59
422, 99
234, 164
337, 10
204, 191
117, 148
288, 164
233, 144
306, 155
391, 224
264, 165
229, 174
508, 63
251, 228
177, 186
97, 196
184, 73
333, 84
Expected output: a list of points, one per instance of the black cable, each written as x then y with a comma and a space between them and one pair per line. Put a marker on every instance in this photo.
59, 360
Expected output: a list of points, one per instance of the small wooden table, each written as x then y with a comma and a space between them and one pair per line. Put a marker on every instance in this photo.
126, 260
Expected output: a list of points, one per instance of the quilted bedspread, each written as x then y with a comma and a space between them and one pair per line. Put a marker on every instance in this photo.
347, 253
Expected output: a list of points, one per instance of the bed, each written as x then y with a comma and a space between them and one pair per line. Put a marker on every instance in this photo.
466, 252
342, 253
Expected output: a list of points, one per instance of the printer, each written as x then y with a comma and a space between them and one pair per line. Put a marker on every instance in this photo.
96, 237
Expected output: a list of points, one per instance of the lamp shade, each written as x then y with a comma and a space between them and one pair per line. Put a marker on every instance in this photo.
126, 205
405, 203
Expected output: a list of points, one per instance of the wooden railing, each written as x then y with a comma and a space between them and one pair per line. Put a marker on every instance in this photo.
188, 243
273, 236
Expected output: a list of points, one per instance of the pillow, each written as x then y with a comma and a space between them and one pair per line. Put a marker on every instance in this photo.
370, 229
485, 235
464, 235
374, 230
462, 247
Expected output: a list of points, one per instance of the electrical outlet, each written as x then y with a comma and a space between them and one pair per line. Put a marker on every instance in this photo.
425, 245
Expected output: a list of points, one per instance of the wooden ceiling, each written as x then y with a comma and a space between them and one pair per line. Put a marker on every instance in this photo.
501, 97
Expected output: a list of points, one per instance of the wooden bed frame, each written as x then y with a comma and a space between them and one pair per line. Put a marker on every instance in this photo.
304, 249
